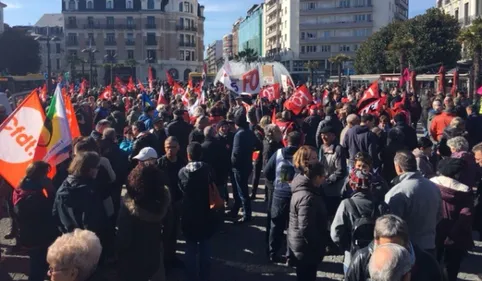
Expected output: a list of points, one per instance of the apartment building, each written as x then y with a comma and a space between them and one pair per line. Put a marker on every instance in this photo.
135, 34
301, 30
235, 33
228, 45
251, 30
214, 55
2, 6
463, 10
49, 32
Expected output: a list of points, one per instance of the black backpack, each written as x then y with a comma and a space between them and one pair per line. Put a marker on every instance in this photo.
364, 225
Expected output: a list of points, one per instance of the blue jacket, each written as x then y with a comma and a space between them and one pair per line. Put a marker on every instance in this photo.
361, 139
272, 171
243, 147
147, 121
126, 145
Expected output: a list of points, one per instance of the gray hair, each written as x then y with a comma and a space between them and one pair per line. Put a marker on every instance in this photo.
458, 144
390, 226
353, 119
389, 262
79, 249
102, 123
406, 160
273, 133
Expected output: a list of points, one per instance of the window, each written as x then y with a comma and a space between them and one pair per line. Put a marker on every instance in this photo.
130, 36
188, 55
151, 37
58, 64
310, 49
151, 21
130, 21
72, 5
181, 55
456, 15
302, 49
180, 7
150, 4
151, 54
186, 7
110, 37
311, 6
326, 34
110, 21
129, 4
90, 5
91, 39
310, 35
302, 37
192, 9
181, 38
344, 48
72, 21
130, 54
109, 4
57, 48
192, 56
325, 48
344, 4
90, 21
355, 47
110, 53
181, 22
72, 37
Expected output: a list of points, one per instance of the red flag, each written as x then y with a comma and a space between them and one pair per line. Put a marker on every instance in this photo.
131, 87
441, 80
43, 94
374, 107
107, 94
455, 82
71, 117
119, 86
170, 80
178, 90
300, 98
71, 89
273, 116
270, 92
404, 78
162, 99
370, 94
127, 105
150, 78
413, 81
140, 85
83, 87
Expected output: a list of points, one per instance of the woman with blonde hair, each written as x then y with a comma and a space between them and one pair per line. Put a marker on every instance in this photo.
74, 257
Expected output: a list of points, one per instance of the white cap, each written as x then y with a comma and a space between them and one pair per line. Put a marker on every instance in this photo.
147, 153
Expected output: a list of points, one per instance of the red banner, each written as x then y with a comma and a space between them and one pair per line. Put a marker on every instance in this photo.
270, 92
107, 94
300, 98
374, 107
370, 94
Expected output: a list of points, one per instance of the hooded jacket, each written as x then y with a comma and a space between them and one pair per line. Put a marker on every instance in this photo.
78, 204
418, 202
139, 235
456, 223
282, 189
308, 222
197, 221
426, 268
361, 139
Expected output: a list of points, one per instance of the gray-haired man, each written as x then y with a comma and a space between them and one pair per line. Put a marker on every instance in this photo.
390, 262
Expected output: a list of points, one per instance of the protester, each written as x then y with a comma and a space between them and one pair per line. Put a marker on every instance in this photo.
390, 262
361, 139
331, 119
143, 210
180, 129
147, 117
395, 142
225, 138
352, 120
99, 129
441, 121
160, 133
423, 155
74, 256
197, 134
459, 147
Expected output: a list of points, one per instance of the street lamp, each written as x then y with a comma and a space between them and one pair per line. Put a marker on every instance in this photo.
111, 59
91, 53
47, 38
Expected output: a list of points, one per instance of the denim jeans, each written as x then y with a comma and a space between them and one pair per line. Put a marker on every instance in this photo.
198, 253
280, 211
38, 264
241, 192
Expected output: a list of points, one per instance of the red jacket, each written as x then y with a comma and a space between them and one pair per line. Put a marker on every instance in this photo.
439, 123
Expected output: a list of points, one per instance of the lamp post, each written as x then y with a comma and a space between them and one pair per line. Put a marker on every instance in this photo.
91, 53
47, 38
111, 59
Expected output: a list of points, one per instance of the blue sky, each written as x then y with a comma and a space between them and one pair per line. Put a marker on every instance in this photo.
219, 16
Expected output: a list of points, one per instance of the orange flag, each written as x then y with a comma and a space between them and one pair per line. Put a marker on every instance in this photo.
19, 135
71, 117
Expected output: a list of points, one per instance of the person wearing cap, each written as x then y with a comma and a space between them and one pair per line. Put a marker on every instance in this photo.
332, 120
147, 156
454, 232
160, 133
241, 159
180, 129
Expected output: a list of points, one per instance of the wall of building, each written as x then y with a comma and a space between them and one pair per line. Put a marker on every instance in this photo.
250, 31
464, 10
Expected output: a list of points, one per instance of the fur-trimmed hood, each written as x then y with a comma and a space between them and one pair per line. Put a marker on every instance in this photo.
153, 211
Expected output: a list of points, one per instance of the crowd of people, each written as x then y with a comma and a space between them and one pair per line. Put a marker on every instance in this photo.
397, 206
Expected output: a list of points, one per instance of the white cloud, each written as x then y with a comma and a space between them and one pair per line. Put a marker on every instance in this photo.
216, 8
13, 5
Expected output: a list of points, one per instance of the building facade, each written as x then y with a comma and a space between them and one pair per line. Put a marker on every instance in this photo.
299, 31
235, 33
214, 54
49, 32
465, 11
251, 30
2, 21
228, 45
131, 35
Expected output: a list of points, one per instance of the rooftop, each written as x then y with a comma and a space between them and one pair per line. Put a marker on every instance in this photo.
50, 20
2, 5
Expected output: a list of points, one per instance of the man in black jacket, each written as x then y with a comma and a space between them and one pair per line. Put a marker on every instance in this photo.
310, 126
225, 138
241, 159
410, 135
330, 120
180, 129
392, 229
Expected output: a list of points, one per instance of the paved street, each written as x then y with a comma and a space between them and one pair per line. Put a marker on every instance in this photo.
239, 255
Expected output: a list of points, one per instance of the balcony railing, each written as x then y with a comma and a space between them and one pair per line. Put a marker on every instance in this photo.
110, 43
338, 9
151, 26
151, 42
71, 25
187, 44
186, 28
130, 42
71, 43
110, 26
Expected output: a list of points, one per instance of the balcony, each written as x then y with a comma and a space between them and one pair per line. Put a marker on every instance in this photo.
344, 24
271, 7
72, 43
151, 42
130, 42
186, 28
337, 10
110, 26
110, 43
187, 44
71, 25
151, 26
335, 39
272, 21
